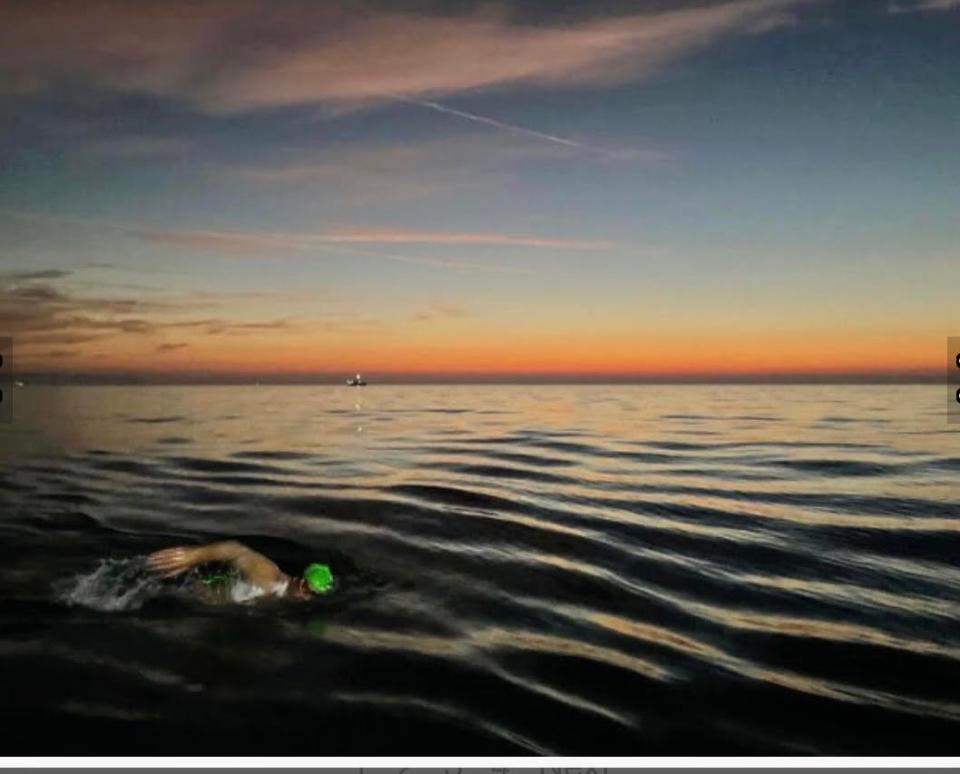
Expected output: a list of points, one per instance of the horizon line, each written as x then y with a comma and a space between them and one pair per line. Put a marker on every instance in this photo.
919, 376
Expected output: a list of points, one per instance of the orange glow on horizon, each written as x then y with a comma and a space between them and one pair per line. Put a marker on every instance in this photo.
591, 354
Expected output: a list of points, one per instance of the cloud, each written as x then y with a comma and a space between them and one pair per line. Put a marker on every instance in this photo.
219, 327
923, 6
251, 297
441, 310
239, 55
375, 55
117, 285
171, 346
447, 263
471, 163
36, 294
33, 340
45, 274
39, 315
363, 172
63, 353
415, 236
232, 243
266, 244
221, 241
149, 47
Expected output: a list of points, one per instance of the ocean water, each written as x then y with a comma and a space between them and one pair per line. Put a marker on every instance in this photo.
568, 570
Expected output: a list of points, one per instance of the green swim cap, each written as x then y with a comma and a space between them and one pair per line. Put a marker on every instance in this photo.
318, 578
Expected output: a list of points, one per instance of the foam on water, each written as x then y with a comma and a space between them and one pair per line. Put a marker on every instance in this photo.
114, 585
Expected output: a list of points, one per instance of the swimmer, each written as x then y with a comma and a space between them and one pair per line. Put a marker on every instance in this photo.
256, 570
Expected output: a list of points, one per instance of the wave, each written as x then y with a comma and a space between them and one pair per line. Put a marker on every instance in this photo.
609, 565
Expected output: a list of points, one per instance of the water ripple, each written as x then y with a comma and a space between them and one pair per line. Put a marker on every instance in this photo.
523, 569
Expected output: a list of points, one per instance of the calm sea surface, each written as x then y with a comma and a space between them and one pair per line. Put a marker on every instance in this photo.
652, 570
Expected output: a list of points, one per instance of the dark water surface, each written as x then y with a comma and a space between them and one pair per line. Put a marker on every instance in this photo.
647, 570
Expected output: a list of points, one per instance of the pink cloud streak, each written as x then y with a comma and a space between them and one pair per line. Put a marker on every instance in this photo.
237, 55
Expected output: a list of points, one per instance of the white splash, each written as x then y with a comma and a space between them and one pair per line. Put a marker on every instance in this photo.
115, 585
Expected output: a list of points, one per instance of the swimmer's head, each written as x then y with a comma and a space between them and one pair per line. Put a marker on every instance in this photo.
317, 578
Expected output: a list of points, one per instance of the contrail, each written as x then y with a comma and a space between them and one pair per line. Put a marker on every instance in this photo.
505, 126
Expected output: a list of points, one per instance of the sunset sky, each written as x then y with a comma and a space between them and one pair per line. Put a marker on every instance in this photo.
589, 189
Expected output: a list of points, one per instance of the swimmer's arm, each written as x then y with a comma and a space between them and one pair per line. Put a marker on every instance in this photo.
254, 567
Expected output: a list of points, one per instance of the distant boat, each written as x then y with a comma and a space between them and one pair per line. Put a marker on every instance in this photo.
356, 381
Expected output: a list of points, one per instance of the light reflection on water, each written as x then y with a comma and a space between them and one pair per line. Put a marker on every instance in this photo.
526, 568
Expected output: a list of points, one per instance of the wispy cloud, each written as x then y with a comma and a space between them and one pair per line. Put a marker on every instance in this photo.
376, 55
272, 244
440, 309
923, 6
414, 236
43, 274
456, 163
249, 298
40, 314
236, 55
255, 244
221, 241
52, 325
171, 346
